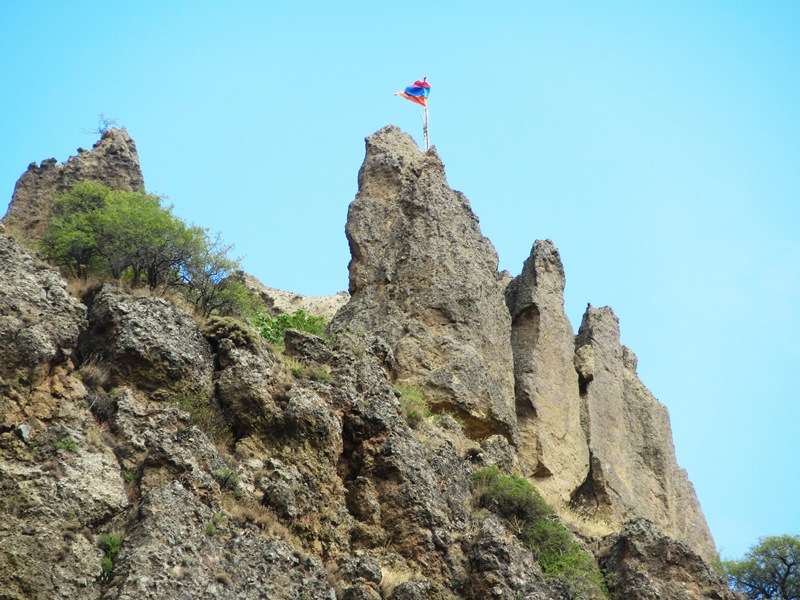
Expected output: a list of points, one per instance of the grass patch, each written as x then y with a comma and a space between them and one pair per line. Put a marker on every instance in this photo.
65, 444
415, 408
273, 328
302, 370
205, 417
535, 523
110, 543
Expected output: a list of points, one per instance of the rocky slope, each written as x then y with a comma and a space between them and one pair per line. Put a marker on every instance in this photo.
226, 470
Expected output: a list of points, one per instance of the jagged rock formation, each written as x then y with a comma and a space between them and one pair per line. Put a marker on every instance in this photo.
633, 468
113, 162
228, 470
424, 278
553, 449
644, 564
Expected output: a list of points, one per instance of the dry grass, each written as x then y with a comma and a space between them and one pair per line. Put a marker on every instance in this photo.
589, 526
94, 373
250, 511
391, 577
80, 287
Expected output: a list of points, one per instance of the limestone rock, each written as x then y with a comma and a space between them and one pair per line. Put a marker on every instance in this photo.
39, 325
113, 162
553, 449
148, 343
633, 467
641, 563
279, 301
423, 277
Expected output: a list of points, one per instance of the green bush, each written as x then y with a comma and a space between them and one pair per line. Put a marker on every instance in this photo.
111, 544
515, 500
273, 328
130, 236
415, 408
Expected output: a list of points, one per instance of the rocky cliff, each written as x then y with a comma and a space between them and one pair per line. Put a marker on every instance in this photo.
147, 454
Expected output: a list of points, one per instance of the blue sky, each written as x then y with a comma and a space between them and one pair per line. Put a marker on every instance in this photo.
656, 143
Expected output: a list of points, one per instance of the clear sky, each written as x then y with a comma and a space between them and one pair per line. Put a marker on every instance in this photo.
656, 143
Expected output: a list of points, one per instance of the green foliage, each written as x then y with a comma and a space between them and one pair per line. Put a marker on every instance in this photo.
65, 444
514, 499
132, 477
415, 407
769, 570
131, 236
110, 543
228, 479
272, 329
210, 529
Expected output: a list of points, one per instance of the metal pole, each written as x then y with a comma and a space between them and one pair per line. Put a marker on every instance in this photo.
425, 127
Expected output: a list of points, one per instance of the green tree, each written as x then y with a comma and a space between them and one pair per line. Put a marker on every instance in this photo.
770, 570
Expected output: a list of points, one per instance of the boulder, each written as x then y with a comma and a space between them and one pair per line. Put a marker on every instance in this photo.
148, 343
641, 563
423, 277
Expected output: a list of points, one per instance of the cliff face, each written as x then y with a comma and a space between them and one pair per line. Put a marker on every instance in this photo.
227, 470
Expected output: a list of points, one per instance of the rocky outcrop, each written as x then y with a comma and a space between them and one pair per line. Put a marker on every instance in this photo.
641, 563
147, 343
225, 469
113, 162
633, 469
553, 448
279, 301
39, 325
423, 278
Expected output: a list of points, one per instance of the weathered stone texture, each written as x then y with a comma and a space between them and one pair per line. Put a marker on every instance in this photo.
424, 278
147, 343
641, 563
113, 162
553, 448
633, 467
39, 324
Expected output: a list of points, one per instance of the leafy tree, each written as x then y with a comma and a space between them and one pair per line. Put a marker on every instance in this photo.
132, 236
770, 570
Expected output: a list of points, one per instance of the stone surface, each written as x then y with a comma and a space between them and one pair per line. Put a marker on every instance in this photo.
148, 343
113, 162
641, 563
39, 326
423, 277
553, 449
633, 468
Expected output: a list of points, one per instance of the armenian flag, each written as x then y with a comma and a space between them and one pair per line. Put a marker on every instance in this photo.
418, 92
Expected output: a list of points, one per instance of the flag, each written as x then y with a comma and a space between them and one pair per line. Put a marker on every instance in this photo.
418, 92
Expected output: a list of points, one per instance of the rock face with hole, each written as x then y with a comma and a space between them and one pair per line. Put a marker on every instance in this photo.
423, 277
113, 162
553, 449
633, 468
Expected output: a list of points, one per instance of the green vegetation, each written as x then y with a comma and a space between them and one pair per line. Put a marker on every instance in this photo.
65, 444
415, 407
229, 480
770, 570
273, 328
130, 236
110, 543
534, 522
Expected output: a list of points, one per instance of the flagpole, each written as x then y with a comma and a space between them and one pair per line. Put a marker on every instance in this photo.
425, 126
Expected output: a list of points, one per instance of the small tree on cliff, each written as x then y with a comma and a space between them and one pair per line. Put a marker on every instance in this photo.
769, 571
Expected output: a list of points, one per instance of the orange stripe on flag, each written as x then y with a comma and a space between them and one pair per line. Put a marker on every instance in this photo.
418, 99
